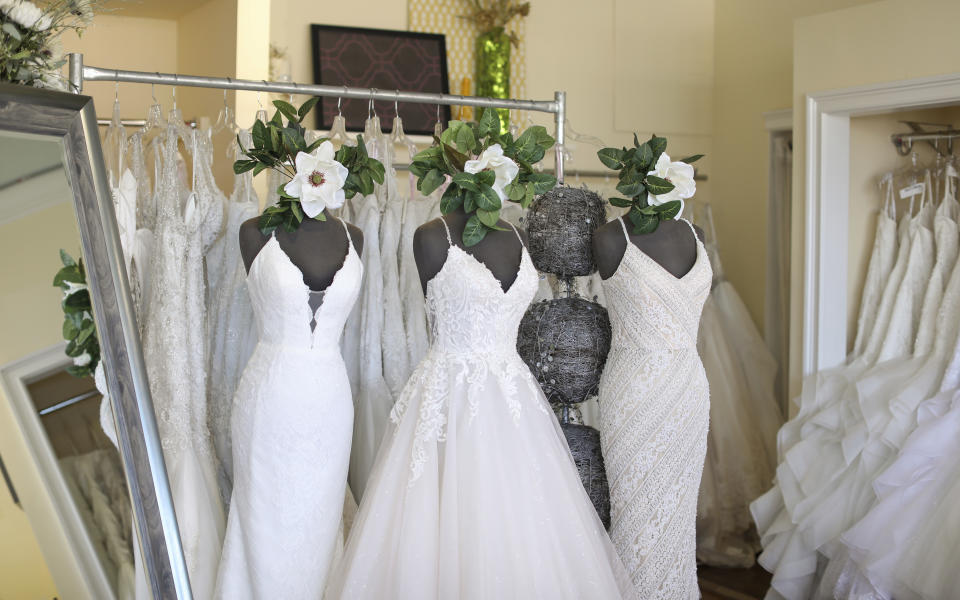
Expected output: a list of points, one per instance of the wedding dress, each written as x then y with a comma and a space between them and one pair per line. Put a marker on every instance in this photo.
173, 347
474, 493
291, 428
654, 411
393, 344
233, 333
418, 209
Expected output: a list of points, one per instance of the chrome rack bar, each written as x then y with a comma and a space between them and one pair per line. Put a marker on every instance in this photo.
80, 73
904, 141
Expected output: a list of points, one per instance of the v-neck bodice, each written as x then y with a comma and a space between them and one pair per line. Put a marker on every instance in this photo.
281, 299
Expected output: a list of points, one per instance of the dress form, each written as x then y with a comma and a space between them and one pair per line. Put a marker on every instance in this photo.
670, 246
499, 251
317, 248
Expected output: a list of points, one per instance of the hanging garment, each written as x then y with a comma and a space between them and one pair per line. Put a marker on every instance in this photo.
173, 348
418, 209
475, 494
654, 411
393, 340
232, 331
362, 338
291, 425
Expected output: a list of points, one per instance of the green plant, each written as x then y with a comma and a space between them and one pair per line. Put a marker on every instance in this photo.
78, 327
654, 185
277, 146
485, 168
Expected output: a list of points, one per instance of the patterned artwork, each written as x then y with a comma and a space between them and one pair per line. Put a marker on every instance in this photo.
443, 16
382, 59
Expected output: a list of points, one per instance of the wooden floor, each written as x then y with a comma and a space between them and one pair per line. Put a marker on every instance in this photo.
733, 584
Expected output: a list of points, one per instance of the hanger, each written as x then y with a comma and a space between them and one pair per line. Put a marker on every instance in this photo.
226, 120
372, 133
338, 131
115, 137
438, 127
397, 135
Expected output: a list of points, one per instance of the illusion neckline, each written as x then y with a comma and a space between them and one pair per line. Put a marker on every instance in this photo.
524, 256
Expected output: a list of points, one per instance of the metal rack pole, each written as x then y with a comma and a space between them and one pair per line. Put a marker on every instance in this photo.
80, 73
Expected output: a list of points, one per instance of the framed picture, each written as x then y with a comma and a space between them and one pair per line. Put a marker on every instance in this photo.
383, 59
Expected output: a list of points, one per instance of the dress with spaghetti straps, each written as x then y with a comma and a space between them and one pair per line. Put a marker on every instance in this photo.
654, 411
292, 422
474, 493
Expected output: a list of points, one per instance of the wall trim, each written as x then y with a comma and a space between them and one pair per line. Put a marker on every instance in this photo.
778, 120
827, 200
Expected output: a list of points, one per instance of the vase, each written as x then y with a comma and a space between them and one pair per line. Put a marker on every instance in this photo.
493, 69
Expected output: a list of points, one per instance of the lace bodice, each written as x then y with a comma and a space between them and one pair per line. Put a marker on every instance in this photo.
468, 310
281, 299
650, 309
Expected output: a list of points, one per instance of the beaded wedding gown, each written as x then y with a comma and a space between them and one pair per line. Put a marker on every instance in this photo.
654, 413
291, 424
474, 493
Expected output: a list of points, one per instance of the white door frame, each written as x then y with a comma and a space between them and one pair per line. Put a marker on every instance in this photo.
828, 196
46, 499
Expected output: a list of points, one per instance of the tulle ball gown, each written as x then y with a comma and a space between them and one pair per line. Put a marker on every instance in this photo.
474, 493
291, 424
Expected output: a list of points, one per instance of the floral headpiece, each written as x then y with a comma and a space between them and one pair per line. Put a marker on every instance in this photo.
485, 168
656, 186
319, 177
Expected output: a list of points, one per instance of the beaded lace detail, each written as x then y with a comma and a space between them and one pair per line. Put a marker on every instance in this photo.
654, 404
473, 324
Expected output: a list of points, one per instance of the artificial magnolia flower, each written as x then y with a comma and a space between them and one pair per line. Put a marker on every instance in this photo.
82, 360
73, 288
680, 174
504, 168
319, 180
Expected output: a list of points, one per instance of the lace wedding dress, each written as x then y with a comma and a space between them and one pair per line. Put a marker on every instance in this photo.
654, 412
173, 348
474, 493
292, 422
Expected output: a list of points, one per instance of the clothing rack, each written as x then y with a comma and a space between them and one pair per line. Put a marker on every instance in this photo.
139, 123
558, 106
904, 141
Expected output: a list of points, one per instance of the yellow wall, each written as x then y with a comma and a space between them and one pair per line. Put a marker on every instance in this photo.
850, 47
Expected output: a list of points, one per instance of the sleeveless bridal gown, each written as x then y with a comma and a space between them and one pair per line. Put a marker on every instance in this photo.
292, 422
654, 412
474, 493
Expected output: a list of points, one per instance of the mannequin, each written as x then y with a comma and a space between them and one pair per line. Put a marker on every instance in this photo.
499, 251
317, 248
670, 246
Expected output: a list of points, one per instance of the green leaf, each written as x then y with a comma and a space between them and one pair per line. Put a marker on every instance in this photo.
366, 182
488, 199
377, 170
542, 182
643, 157
69, 329
528, 195
612, 158
669, 210
77, 301
270, 220
467, 181
489, 217
621, 202
658, 185
419, 168
636, 142
242, 166
515, 191
428, 155
430, 182
85, 332
457, 159
297, 209
658, 144
451, 200
258, 133
643, 223
487, 178
465, 140
630, 188
489, 122
470, 201
11, 30
66, 259
259, 169
691, 159
287, 109
306, 107
474, 231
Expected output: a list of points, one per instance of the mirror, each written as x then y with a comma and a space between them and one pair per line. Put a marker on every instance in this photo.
92, 508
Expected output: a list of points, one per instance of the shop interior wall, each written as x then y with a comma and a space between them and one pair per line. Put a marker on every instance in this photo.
858, 46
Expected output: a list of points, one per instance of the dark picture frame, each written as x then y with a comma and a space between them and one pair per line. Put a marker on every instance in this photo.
385, 59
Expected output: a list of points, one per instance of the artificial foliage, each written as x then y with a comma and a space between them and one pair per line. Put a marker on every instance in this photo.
640, 186
276, 146
79, 330
463, 141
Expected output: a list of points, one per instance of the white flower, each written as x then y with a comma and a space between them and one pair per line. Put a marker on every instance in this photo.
678, 173
319, 180
82, 360
26, 14
493, 159
83, 10
73, 288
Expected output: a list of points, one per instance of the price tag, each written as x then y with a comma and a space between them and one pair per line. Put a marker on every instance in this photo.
911, 190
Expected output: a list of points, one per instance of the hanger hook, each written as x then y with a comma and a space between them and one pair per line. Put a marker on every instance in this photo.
260, 104
116, 91
371, 109
174, 93
396, 104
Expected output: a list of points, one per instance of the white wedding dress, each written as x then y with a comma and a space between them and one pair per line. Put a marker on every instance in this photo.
173, 348
292, 423
654, 413
474, 493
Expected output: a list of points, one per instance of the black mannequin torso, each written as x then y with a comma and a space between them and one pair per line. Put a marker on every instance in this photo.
500, 251
317, 248
671, 246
